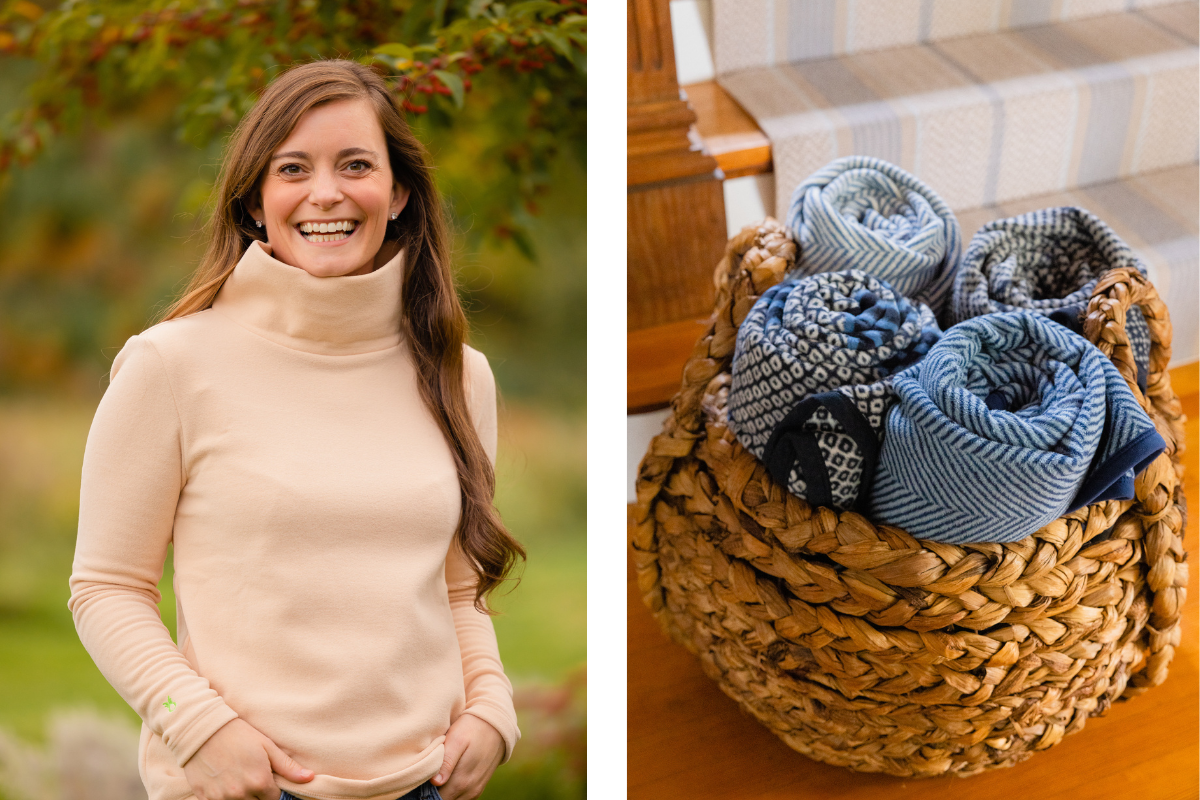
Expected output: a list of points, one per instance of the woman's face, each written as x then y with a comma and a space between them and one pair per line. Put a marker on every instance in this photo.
328, 192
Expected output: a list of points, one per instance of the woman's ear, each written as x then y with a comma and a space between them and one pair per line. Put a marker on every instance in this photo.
399, 198
253, 207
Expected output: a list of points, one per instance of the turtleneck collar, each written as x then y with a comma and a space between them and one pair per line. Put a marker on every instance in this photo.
328, 316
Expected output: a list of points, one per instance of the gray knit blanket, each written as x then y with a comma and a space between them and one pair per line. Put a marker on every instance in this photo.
1009, 422
861, 212
812, 372
1047, 262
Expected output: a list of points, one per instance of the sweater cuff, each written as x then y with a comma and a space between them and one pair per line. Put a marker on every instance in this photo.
504, 723
184, 743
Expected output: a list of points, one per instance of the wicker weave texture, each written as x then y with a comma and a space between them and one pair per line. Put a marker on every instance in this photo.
864, 647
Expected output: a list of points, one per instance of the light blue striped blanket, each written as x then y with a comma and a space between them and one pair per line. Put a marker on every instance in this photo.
861, 212
1047, 262
812, 375
1008, 422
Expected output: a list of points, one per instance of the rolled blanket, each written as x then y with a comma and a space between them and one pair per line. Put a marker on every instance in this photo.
812, 373
1047, 262
1009, 422
864, 213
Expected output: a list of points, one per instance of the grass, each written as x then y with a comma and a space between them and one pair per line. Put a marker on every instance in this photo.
43, 667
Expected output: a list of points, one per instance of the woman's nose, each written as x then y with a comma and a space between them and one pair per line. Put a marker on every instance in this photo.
326, 190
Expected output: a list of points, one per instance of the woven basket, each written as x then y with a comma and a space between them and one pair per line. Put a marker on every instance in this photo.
862, 646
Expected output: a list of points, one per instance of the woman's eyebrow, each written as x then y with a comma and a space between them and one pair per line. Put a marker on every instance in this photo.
349, 151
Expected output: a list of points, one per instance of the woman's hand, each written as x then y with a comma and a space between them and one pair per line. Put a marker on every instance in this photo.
237, 763
473, 751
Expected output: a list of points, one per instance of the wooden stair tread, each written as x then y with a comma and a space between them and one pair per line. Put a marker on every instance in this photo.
654, 362
729, 134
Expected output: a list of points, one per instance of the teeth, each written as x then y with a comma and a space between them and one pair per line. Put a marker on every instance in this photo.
327, 227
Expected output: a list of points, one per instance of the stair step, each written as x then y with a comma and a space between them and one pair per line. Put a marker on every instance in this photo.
991, 118
761, 33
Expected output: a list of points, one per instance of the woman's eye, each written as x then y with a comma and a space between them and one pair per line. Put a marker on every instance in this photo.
359, 166
290, 169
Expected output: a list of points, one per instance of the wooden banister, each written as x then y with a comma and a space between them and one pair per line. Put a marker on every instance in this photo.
674, 204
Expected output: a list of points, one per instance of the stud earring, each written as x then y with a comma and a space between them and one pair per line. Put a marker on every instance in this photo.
258, 222
395, 215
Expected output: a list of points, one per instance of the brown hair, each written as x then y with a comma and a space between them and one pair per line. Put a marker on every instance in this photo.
431, 316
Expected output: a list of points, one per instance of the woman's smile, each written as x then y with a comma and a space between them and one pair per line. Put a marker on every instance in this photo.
329, 232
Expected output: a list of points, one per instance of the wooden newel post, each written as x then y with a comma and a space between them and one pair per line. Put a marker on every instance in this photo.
675, 205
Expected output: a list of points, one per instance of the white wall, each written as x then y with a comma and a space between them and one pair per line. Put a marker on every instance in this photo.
691, 25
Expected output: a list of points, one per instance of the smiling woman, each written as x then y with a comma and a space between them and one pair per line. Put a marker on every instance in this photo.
331, 185
309, 430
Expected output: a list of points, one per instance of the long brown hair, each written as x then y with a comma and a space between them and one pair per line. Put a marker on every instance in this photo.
432, 318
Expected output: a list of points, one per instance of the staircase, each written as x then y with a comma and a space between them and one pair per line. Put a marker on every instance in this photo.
1002, 107
989, 117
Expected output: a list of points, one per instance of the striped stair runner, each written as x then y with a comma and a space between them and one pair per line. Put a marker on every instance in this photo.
993, 117
761, 33
1003, 106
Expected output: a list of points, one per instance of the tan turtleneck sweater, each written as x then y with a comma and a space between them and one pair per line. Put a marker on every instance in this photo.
279, 440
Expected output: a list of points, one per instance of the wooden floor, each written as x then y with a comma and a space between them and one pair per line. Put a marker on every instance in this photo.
688, 740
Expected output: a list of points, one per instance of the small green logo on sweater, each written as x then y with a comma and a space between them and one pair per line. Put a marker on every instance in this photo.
170, 704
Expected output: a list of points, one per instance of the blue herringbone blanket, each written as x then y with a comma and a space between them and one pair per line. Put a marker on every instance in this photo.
1047, 262
812, 379
860, 212
1008, 422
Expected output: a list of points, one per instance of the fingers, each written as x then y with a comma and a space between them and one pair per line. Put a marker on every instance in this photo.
453, 750
239, 763
469, 777
284, 765
467, 781
263, 788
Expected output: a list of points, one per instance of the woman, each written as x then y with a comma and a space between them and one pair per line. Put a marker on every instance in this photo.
310, 432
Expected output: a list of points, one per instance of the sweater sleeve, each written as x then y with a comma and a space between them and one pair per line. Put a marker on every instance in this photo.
488, 690
132, 476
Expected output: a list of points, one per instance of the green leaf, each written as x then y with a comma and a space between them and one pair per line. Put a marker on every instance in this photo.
559, 42
477, 7
395, 50
524, 243
453, 83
